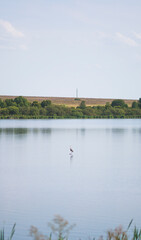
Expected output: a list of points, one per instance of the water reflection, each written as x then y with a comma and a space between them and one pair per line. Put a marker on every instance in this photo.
24, 131
46, 130
99, 184
82, 131
71, 160
116, 130
136, 131
11, 131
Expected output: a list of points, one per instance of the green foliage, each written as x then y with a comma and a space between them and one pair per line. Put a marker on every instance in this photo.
139, 103
88, 111
76, 113
137, 234
2, 234
10, 102
24, 110
77, 99
47, 110
82, 105
13, 110
4, 111
43, 111
45, 103
134, 104
108, 105
34, 111
2, 104
118, 103
21, 101
35, 104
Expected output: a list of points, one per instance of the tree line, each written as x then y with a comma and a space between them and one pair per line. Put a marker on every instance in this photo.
20, 107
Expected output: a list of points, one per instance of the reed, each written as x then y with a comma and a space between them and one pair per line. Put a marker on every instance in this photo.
61, 228
2, 233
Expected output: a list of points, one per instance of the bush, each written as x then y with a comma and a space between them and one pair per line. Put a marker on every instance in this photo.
13, 110
34, 111
24, 110
2, 104
45, 103
77, 99
35, 104
82, 105
21, 101
4, 111
134, 104
118, 103
10, 102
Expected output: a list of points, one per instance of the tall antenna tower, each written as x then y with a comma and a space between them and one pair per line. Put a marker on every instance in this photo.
76, 92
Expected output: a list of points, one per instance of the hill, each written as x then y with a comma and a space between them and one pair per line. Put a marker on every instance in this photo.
69, 101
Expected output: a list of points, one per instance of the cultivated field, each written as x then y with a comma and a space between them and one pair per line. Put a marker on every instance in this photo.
70, 102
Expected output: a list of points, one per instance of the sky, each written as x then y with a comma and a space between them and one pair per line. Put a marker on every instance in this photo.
53, 47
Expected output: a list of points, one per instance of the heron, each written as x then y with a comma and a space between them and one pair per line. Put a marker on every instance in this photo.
71, 150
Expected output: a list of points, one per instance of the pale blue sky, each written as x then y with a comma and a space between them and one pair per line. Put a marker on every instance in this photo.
50, 48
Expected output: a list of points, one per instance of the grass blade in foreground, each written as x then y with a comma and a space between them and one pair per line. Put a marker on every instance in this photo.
11, 235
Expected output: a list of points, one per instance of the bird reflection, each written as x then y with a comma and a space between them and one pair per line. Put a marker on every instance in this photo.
71, 154
71, 159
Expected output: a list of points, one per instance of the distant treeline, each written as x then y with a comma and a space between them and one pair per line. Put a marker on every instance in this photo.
21, 108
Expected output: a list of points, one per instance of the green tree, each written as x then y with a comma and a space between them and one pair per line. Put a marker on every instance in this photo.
34, 111
82, 105
134, 104
118, 103
45, 103
24, 110
43, 111
10, 102
35, 104
4, 111
88, 111
2, 104
13, 110
21, 101
139, 103
77, 113
118, 112
55, 110
107, 105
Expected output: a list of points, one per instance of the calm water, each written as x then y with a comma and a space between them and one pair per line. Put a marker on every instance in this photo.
98, 188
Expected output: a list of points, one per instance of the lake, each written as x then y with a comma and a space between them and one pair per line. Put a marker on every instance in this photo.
97, 188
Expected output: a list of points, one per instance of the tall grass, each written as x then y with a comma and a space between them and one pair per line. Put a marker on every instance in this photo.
61, 228
2, 233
